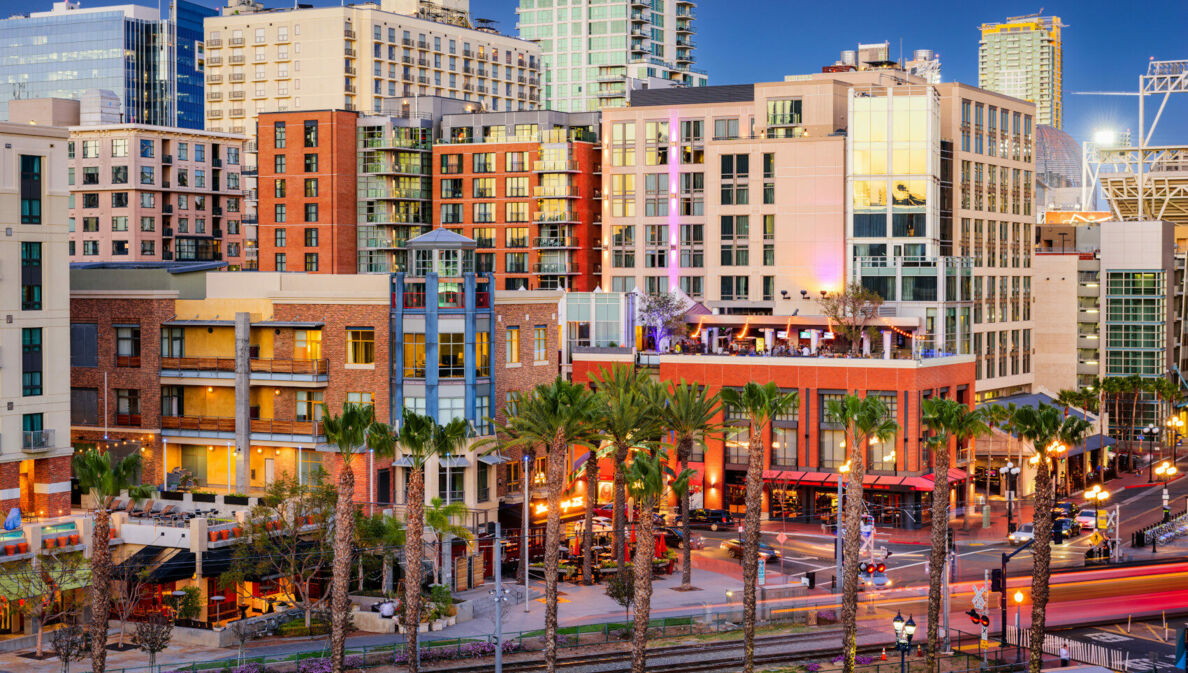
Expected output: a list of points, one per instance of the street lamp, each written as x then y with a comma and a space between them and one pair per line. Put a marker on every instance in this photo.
1011, 473
1176, 425
1166, 470
903, 638
1018, 630
1096, 495
842, 469
1149, 433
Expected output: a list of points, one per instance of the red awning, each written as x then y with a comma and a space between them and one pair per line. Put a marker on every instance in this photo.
954, 475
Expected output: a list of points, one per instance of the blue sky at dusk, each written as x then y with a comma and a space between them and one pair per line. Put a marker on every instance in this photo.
762, 40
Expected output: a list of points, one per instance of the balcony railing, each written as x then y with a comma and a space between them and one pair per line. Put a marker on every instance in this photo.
555, 267
258, 365
269, 426
128, 420
127, 360
545, 217
561, 166
554, 191
555, 242
414, 297
37, 441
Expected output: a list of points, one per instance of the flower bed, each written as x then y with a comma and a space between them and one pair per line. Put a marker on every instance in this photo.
467, 651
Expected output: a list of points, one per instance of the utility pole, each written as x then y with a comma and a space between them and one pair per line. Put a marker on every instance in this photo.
524, 558
945, 578
500, 596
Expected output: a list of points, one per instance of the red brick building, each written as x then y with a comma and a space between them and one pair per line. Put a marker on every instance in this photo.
307, 191
527, 187
804, 450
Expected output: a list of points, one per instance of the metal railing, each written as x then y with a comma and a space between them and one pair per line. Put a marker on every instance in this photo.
260, 365
37, 440
269, 426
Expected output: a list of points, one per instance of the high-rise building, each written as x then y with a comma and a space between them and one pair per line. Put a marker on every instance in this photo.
749, 204
153, 64
525, 187
596, 55
145, 193
1023, 57
35, 298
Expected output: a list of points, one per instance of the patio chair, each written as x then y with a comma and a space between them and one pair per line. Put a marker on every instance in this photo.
167, 512
157, 508
141, 511
114, 505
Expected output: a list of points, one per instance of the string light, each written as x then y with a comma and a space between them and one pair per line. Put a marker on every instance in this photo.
909, 335
697, 332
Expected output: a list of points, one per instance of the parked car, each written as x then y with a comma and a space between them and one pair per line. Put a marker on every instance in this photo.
1087, 518
713, 519
674, 538
1023, 534
1065, 509
734, 547
1069, 527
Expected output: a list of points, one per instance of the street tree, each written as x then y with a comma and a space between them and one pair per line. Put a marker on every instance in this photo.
43, 589
625, 418
153, 636
70, 644
949, 420
852, 312
557, 416
689, 415
285, 536
127, 589
864, 419
661, 314
382, 535
648, 479
760, 404
441, 519
103, 477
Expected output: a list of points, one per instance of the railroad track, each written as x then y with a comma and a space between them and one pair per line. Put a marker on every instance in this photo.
685, 658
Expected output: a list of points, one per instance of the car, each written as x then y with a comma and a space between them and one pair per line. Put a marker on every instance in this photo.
1065, 509
1069, 527
734, 547
1087, 518
1023, 534
713, 519
673, 537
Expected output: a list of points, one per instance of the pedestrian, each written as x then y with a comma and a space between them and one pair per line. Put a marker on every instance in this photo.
1064, 659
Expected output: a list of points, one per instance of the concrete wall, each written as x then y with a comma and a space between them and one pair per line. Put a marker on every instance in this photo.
1055, 336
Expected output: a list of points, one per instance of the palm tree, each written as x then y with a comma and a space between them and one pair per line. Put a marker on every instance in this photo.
864, 419
625, 417
1041, 425
416, 443
949, 420
348, 432
104, 478
440, 519
760, 403
383, 535
689, 415
1136, 386
590, 473
647, 480
556, 416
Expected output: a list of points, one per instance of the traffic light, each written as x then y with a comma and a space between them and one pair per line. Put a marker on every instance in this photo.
985, 620
974, 616
997, 585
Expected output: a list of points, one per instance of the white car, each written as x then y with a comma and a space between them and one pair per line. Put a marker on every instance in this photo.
1087, 518
1023, 534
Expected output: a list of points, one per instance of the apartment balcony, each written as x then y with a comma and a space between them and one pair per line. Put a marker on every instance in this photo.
214, 42
567, 217
37, 441
167, 208
238, 60
555, 268
223, 427
638, 47
238, 41
639, 4
236, 112
166, 232
423, 45
348, 33
237, 95
415, 297
555, 192
167, 159
349, 52
214, 60
637, 16
610, 93
262, 370
165, 184
214, 79
214, 95
555, 242
683, 28
408, 42
559, 166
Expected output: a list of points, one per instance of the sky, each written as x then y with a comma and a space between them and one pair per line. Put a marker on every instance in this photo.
741, 41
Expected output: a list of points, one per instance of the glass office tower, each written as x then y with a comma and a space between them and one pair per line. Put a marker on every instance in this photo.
125, 49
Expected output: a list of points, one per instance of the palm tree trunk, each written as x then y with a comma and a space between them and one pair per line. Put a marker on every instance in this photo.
645, 547
386, 582
1134, 424
940, 545
684, 449
414, 551
619, 511
754, 500
1042, 560
850, 550
100, 580
556, 479
340, 601
588, 533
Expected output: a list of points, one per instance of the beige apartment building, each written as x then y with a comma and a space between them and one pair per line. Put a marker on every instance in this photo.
756, 199
35, 302
155, 194
353, 56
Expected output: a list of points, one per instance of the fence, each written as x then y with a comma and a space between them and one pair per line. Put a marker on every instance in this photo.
1163, 532
1085, 653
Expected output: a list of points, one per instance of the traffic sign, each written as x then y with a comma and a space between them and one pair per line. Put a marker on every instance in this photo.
781, 538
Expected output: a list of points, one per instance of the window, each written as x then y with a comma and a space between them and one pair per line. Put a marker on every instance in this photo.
311, 212
414, 355
311, 133
484, 212
31, 189
484, 162
146, 148
278, 135
147, 175
119, 223
513, 345
119, 175
484, 188
278, 237
278, 163
31, 275
451, 164
84, 345
311, 261
279, 188
515, 212
734, 287
482, 351
360, 346
119, 147
451, 355
31, 361
279, 261
311, 188
360, 399
34, 429
84, 406
127, 406
309, 405
540, 344
725, 128
311, 237
128, 346
311, 162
